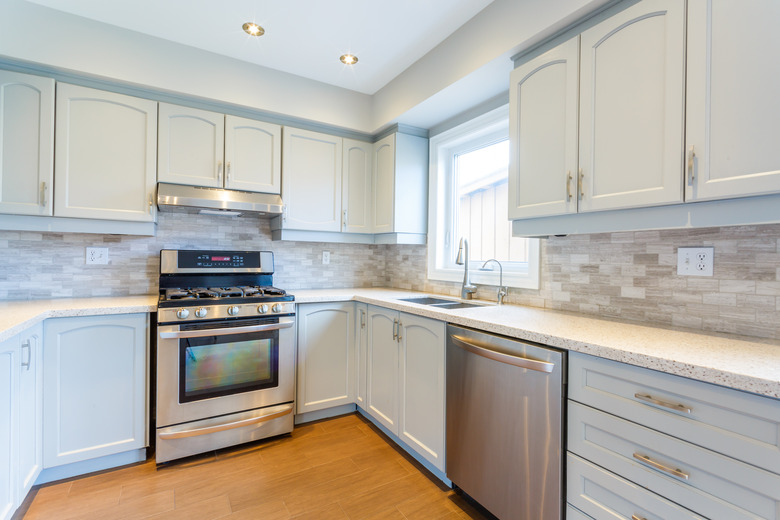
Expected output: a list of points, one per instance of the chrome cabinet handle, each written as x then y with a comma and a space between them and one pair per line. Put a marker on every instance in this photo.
362, 319
283, 324
531, 364
151, 203
400, 326
44, 193
691, 163
219, 171
344, 220
672, 406
395, 330
227, 172
661, 467
582, 184
225, 426
568, 185
26, 345
637, 517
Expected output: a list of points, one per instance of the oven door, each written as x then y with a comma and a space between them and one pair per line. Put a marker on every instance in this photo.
209, 369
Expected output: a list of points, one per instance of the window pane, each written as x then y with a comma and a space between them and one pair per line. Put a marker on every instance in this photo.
482, 184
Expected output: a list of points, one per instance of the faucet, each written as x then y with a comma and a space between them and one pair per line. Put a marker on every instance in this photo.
468, 288
501, 288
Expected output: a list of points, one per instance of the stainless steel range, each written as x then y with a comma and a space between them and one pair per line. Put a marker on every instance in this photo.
225, 352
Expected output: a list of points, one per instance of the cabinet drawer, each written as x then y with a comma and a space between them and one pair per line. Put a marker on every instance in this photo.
737, 424
605, 496
573, 513
707, 483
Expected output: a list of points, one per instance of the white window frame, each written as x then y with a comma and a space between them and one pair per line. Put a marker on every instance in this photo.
476, 133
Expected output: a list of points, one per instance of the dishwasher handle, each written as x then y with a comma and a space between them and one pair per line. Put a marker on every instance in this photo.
531, 364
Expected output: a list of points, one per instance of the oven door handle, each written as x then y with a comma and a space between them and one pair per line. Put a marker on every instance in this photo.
284, 323
180, 434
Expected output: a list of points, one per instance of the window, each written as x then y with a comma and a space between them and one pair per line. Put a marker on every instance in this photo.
468, 199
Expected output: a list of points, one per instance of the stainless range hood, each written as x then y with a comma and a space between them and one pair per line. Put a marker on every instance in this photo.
216, 200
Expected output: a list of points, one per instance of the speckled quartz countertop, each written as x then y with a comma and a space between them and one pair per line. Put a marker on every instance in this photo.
739, 362
16, 316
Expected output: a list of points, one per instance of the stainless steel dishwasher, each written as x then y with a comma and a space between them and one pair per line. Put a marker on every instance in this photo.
505, 402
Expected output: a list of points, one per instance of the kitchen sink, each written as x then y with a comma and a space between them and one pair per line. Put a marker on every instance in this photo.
456, 305
427, 300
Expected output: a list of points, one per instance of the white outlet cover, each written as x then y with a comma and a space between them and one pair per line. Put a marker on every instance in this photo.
325, 257
97, 255
695, 261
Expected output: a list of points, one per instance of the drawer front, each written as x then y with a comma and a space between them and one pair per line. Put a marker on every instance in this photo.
705, 482
575, 514
737, 424
605, 496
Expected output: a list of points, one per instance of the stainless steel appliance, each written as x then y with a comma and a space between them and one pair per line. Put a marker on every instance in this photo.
505, 404
225, 352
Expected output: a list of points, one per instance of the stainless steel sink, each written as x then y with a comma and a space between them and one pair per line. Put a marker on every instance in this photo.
427, 300
456, 305
441, 303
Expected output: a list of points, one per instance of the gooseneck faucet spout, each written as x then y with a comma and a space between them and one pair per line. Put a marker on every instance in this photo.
468, 289
501, 289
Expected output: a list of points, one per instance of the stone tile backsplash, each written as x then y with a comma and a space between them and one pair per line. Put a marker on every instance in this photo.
629, 276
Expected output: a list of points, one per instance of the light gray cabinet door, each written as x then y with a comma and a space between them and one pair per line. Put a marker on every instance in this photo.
326, 355
382, 367
105, 155
253, 155
361, 353
95, 386
732, 106
632, 93
26, 143
9, 413
421, 416
543, 97
356, 187
30, 409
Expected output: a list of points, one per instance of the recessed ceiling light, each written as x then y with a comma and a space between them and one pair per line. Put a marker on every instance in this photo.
253, 29
348, 59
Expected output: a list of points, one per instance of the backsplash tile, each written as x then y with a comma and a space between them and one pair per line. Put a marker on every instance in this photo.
623, 275
633, 276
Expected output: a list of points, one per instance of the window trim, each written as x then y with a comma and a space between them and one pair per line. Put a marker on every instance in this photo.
490, 127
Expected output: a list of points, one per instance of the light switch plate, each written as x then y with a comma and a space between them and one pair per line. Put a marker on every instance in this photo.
695, 261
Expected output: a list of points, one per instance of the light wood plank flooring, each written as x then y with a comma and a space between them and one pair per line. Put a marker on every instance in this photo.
341, 468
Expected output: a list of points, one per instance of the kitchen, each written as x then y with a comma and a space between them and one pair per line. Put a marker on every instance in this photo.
741, 297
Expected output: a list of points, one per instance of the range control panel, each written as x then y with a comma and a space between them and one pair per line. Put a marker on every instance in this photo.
207, 261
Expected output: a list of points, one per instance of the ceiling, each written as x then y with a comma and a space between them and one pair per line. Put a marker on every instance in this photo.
302, 37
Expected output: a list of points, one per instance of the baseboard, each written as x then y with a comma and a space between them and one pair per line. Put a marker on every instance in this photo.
75, 469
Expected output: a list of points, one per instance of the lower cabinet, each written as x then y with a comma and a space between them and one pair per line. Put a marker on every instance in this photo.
326, 355
361, 335
405, 379
20, 418
95, 387
645, 444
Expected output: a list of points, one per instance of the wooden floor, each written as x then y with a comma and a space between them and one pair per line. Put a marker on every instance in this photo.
341, 468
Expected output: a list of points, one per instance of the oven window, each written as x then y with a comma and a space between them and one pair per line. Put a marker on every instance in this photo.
219, 365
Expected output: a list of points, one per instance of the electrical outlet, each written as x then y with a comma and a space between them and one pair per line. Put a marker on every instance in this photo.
695, 261
97, 255
325, 257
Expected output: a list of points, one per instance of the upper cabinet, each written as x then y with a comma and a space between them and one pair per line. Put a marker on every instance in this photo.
632, 108
733, 106
202, 148
311, 188
26, 143
356, 187
400, 202
543, 134
104, 155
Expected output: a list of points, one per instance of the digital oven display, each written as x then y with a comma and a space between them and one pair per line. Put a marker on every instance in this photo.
217, 260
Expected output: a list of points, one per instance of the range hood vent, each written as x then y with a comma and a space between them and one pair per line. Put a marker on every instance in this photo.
229, 201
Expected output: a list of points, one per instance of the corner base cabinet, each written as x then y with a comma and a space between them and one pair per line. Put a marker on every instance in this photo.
405, 379
94, 392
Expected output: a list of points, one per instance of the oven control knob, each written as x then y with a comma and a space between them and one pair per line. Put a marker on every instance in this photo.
182, 314
233, 310
262, 309
277, 307
201, 312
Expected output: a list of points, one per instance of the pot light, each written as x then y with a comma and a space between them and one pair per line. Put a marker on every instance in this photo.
253, 29
348, 59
